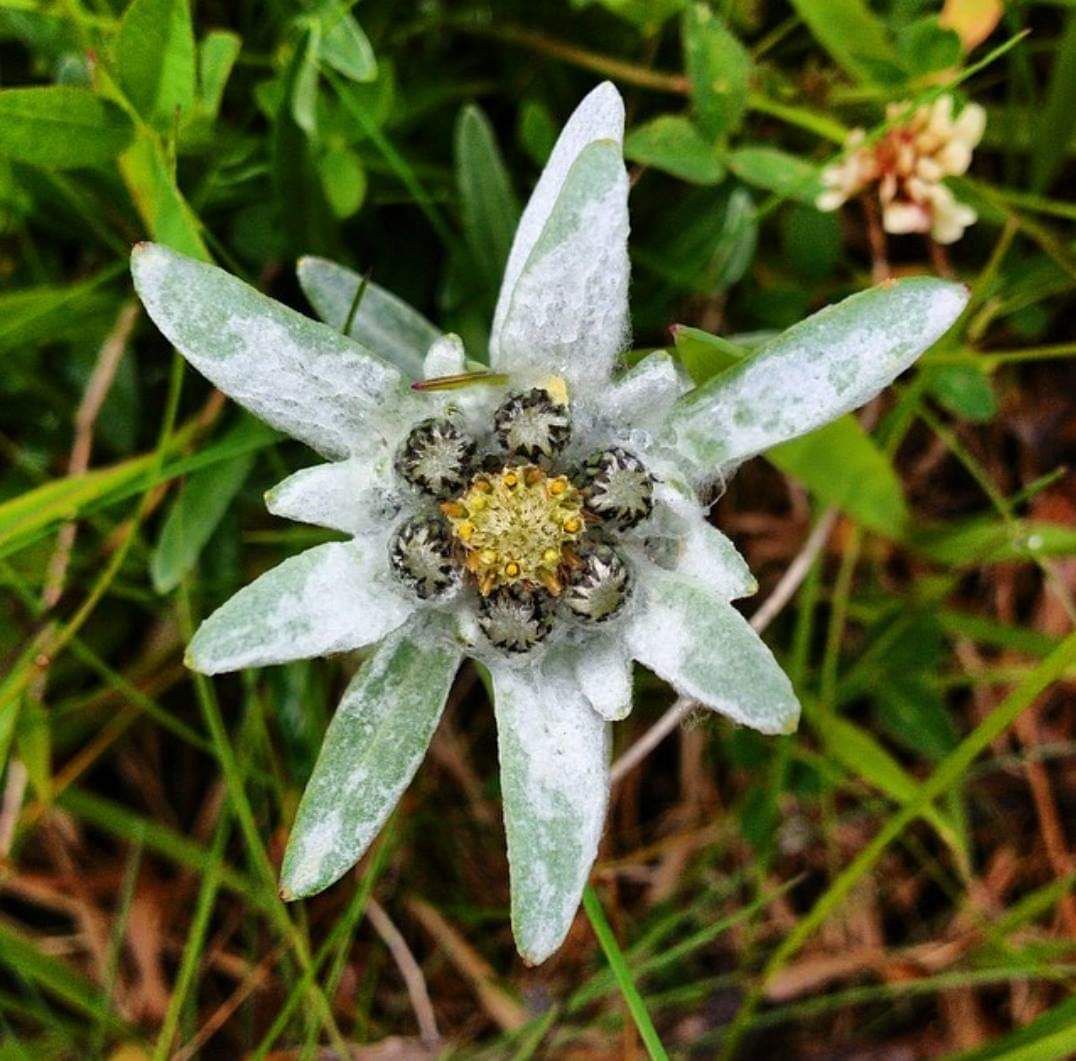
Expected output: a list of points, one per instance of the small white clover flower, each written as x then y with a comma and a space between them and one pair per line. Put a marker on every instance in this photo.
909, 164
549, 528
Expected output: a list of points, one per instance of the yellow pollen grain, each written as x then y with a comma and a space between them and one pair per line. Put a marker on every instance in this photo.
514, 527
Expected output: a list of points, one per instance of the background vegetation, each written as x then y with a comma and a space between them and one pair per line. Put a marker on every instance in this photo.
893, 881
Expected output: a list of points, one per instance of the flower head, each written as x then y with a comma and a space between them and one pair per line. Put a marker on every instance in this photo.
548, 526
909, 163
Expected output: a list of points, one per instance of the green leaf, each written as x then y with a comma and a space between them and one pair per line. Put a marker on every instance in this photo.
702, 354
344, 180
704, 648
719, 69
554, 752
487, 202
374, 744
34, 740
154, 55
811, 241
216, 56
537, 131
382, 323
647, 15
344, 45
707, 240
970, 543
777, 171
671, 143
37, 314
27, 961
925, 47
1051, 1036
1057, 120
150, 179
861, 755
304, 84
192, 519
817, 370
61, 127
965, 390
841, 465
853, 36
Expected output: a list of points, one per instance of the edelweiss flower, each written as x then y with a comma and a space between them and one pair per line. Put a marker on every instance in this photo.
909, 164
548, 527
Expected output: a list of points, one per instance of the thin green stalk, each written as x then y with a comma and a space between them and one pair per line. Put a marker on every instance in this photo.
244, 814
632, 998
19, 681
398, 163
341, 933
196, 934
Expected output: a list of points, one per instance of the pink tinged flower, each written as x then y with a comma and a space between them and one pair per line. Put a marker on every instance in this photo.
909, 163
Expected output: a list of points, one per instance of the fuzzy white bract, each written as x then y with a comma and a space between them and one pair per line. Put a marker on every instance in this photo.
549, 527
909, 164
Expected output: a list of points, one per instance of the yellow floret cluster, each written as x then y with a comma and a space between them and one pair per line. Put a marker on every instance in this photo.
517, 525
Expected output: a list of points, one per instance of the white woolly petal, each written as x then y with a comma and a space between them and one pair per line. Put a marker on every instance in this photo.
554, 752
568, 311
699, 550
336, 495
375, 743
602, 666
383, 323
814, 372
705, 649
332, 598
642, 395
600, 116
445, 357
296, 374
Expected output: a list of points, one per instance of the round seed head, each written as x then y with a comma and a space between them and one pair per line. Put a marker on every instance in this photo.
617, 488
515, 618
600, 586
532, 425
436, 457
421, 556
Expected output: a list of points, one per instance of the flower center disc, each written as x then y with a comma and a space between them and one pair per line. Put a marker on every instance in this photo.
517, 526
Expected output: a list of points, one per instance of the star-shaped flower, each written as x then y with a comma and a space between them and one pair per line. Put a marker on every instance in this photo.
548, 527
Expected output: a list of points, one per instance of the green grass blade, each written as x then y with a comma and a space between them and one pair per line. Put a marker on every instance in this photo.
632, 998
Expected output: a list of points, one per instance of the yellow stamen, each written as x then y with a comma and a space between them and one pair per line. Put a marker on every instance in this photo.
511, 569
550, 556
573, 525
558, 486
465, 529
